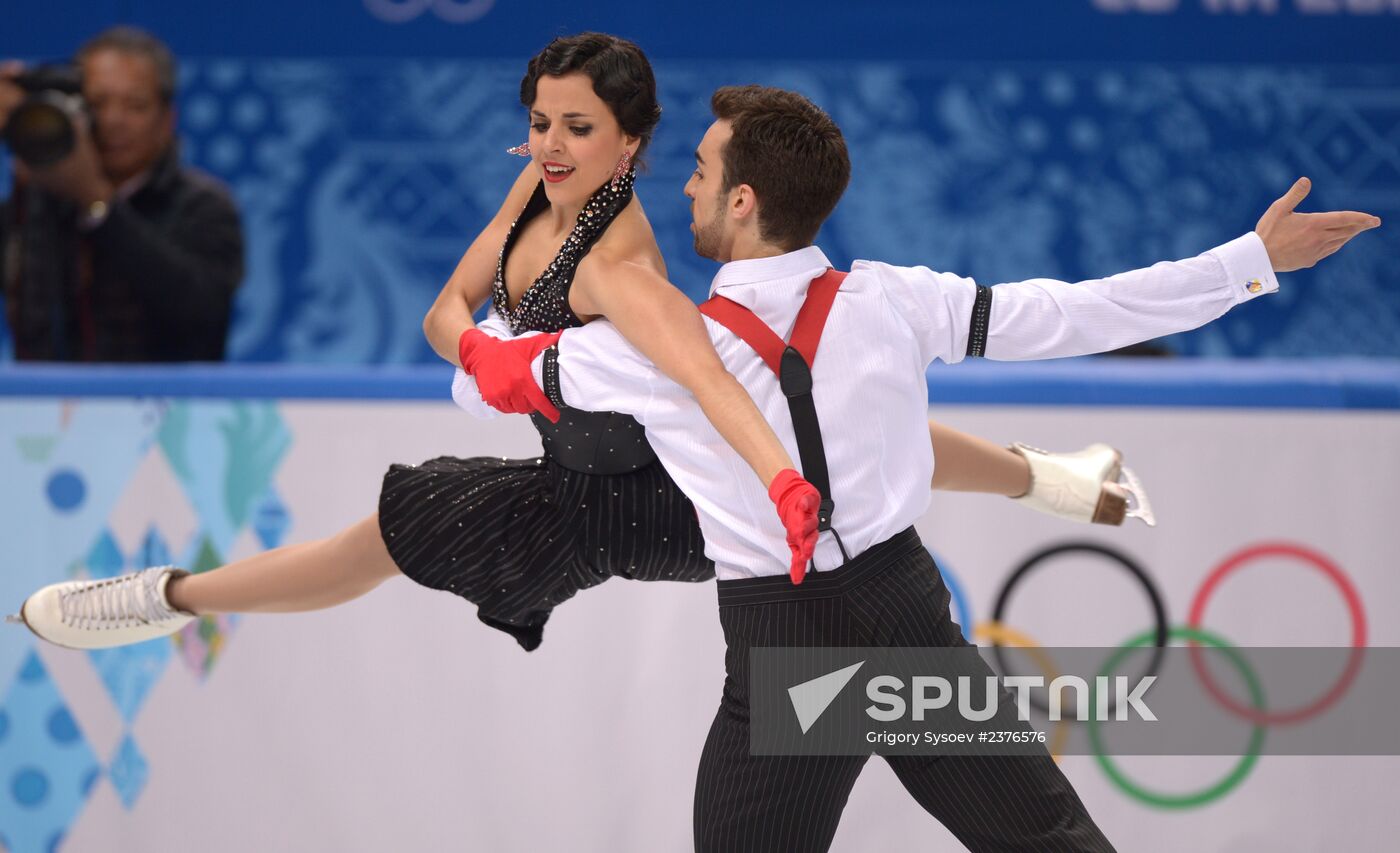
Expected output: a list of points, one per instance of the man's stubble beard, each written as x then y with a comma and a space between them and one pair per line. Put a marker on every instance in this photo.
708, 237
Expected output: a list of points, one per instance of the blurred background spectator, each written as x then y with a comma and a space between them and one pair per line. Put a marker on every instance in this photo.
111, 250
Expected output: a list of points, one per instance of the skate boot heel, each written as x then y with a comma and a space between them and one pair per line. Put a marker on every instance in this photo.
1112, 507
1138, 504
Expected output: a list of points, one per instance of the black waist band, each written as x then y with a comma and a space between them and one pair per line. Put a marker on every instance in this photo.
835, 582
589, 442
595, 442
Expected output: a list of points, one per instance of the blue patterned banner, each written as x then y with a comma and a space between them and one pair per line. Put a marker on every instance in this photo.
908, 30
361, 181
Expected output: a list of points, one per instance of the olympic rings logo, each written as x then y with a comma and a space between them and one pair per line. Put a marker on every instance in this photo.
451, 11
1001, 636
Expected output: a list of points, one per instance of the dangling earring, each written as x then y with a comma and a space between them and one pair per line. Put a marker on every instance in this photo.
521, 150
623, 167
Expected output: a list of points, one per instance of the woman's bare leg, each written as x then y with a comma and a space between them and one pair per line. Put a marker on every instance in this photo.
966, 463
306, 576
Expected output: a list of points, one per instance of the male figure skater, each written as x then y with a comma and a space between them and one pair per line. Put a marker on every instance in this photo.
768, 172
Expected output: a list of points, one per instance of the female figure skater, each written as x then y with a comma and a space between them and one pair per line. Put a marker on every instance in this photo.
518, 537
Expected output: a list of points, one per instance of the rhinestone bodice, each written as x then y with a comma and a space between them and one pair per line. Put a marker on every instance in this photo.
544, 306
588, 442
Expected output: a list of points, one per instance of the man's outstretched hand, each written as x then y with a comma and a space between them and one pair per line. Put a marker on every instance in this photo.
1299, 240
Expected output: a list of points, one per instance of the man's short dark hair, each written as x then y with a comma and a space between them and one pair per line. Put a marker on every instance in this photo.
137, 42
790, 152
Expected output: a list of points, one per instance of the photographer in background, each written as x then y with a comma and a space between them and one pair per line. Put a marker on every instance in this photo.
110, 250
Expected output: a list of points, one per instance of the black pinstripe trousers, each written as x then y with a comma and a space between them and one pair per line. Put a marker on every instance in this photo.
889, 596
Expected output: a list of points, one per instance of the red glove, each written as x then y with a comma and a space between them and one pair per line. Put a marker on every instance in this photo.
502, 371
797, 501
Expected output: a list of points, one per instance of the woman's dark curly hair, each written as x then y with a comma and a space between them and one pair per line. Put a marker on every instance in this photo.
620, 73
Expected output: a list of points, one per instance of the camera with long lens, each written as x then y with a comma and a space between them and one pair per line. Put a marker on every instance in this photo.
43, 129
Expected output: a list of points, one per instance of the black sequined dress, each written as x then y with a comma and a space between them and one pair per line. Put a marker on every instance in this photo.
518, 537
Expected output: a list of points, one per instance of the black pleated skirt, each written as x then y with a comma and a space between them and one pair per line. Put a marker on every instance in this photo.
518, 537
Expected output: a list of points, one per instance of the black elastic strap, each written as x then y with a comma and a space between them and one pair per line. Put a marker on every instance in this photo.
981, 320
795, 379
845, 558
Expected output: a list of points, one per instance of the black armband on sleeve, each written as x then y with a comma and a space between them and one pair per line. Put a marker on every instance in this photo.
549, 373
981, 320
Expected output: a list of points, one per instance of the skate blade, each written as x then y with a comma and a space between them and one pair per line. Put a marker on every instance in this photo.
1138, 504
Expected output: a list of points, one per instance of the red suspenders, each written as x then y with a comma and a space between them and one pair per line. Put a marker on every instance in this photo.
791, 362
806, 331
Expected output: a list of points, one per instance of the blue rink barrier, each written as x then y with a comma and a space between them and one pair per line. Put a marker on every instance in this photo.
1185, 383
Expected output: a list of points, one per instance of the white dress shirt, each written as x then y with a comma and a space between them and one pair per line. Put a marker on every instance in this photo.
464, 391
886, 326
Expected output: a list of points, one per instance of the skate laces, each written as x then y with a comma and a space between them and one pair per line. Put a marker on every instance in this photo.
122, 602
